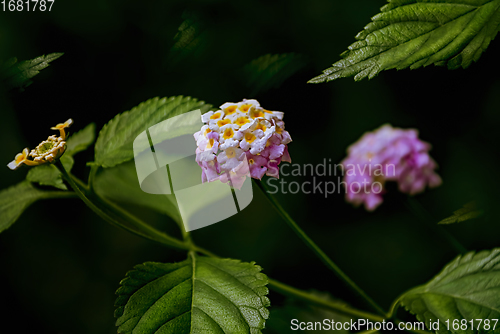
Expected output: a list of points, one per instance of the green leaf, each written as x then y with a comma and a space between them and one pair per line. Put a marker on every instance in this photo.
467, 288
120, 184
198, 295
280, 319
469, 211
81, 140
415, 33
270, 71
114, 144
19, 74
14, 200
49, 175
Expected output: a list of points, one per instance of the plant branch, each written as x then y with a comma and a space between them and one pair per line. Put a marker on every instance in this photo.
312, 245
101, 207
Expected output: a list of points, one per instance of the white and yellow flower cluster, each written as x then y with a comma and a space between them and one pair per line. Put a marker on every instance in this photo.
240, 139
46, 152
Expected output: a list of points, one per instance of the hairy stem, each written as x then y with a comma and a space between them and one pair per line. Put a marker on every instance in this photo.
319, 253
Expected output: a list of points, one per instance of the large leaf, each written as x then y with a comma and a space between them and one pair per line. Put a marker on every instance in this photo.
415, 33
114, 144
120, 184
49, 175
467, 288
198, 295
14, 200
19, 74
270, 71
469, 211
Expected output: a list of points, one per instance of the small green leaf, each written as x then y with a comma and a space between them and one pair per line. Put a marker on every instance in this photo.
14, 200
19, 74
467, 288
81, 140
415, 33
198, 295
469, 211
120, 184
270, 71
49, 175
114, 143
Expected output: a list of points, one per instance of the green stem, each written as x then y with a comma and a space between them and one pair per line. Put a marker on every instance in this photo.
101, 207
339, 308
312, 245
299, 294
60, 194
92, 174
416, 208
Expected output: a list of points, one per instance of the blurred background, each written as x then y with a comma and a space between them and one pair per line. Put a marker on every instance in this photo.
61, 264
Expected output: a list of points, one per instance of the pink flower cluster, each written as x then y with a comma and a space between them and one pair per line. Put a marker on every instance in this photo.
387, 154
241, 139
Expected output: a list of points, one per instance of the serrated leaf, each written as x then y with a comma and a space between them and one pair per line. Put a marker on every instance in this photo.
19, 74
49, 175
120, 184
280, 319
270, 71
198, 295
81, 140
467, 288
114, 143
469, 211
14, 200
415, 33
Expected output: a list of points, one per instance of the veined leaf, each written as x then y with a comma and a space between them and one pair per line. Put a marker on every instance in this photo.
198, 295
49, 175
14, 200
81, 140
467, 288
120, 184
469, 211
114, 143
415, 33
19, 74
270, 71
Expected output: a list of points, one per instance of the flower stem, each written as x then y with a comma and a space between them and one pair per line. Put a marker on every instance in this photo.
311, 244
115, 217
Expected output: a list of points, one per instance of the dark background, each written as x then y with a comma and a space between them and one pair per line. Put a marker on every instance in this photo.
60, 263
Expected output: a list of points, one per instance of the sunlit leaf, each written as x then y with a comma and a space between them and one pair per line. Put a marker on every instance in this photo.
81, 140
114, 144
469, 211
19, 74
415, 33
467, 289
198, 295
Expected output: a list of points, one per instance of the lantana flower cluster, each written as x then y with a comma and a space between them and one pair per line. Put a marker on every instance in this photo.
387, 154
241, 139
48, 151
